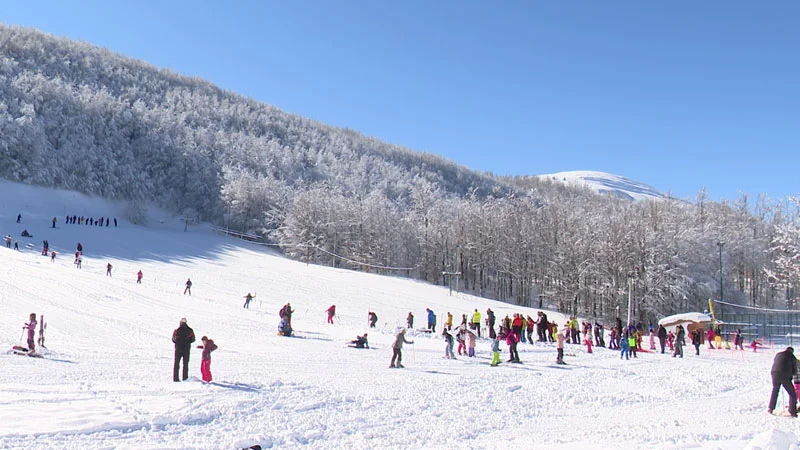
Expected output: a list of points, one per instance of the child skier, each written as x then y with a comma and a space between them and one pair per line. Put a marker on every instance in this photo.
247, 299
496, 350
471, 337
560, 338
205, 364
633, 342
139, 276
625, 346
31, 326
188, 287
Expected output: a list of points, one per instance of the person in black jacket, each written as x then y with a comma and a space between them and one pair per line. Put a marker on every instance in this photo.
662, 336
783, 368
183, 336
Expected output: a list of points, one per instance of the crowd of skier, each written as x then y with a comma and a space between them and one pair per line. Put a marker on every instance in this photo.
513, 330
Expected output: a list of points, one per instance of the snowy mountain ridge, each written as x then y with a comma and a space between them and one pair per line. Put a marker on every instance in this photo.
607, 184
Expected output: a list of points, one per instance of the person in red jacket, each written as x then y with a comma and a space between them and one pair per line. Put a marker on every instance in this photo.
205, 364
139, 276
331, 312
512, 340
710, 335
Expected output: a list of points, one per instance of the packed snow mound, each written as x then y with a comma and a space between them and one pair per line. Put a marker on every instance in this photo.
608, 184
773, 439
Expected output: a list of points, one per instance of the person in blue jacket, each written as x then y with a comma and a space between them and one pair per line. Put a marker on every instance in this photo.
431, 320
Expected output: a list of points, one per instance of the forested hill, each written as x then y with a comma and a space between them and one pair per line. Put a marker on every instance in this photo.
78, 117
83, 118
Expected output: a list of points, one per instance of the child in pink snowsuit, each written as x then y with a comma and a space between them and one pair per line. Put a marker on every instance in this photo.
31, 326
205, 365
471, 343
587, 339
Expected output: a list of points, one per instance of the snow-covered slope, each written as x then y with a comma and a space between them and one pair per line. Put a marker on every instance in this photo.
106, 380
606, 183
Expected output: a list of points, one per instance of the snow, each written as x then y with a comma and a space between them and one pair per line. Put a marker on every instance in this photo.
106, 380
606, 183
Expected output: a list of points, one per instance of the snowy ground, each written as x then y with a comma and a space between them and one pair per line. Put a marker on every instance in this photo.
106, 381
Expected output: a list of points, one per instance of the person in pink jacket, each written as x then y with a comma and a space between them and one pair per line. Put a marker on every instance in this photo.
471, 337
205, 364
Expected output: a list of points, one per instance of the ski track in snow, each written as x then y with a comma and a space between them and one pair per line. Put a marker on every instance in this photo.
106, 381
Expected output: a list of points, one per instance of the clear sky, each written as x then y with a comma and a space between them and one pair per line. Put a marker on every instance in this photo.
675, 94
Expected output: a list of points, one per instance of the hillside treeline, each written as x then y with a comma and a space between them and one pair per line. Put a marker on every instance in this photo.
78, 117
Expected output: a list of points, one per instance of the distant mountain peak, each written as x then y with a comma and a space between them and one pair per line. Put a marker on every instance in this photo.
606, 183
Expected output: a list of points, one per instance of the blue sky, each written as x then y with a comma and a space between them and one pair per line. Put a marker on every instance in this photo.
678, 94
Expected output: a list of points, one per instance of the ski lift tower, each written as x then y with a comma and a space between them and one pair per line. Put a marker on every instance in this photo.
450, 276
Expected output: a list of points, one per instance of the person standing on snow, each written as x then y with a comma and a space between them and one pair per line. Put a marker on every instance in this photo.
448, 348
139, 276
52, 256
662, 337
680, 336
784, 367
286, 313
496, 351
397, 349
410, 321
183, 336
247, 299
108, 269
373, 319
476, 322
490, 322
331, 313
205, 362
560, 338
449, 322
188, 287
431, 320
512, 340
31, 327
697, 339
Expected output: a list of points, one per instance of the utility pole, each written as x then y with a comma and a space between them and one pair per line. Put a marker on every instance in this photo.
450, 276
630, 289
720, 244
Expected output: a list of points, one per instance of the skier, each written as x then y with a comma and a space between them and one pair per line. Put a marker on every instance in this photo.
183, 336
461, 336
78, 261
19, 218
188, 287
496, 351
560, 338
784, 367
711, 336
286, 313
373, 319
26, 234
397, 349
679, 341
662, 337
8, 240
360, 342
80, 247
511, 340
31, 327
54, 222
410, 321
448, 348
449, 322
431, 320
738, 340
331, 312
53, 256
624, 344
697, 339
476, 322
471, 338
139, 276
247, 298
490, 322
205, 362
652, 339
633, 340
529, 328
108, 269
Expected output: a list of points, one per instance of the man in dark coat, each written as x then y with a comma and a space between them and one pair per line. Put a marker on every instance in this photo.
662, 336
183, 336
490, 319
783, 368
